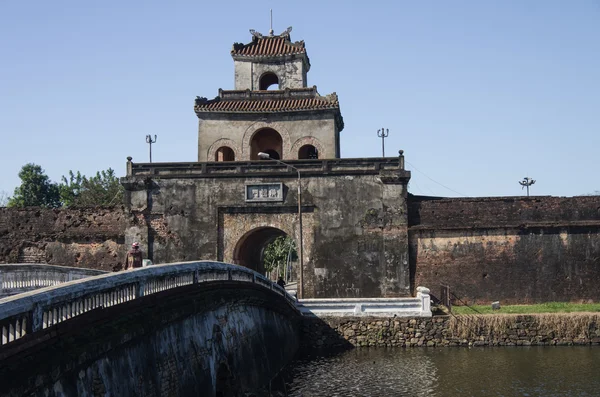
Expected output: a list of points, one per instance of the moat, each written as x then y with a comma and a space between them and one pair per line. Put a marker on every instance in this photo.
502, 371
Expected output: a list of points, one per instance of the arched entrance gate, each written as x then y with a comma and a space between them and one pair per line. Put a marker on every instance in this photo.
243, 236
250, 248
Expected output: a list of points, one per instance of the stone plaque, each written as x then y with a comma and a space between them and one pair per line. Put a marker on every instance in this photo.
264, 192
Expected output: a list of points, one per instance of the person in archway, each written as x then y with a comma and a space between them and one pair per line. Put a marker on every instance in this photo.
134, 257
280, 282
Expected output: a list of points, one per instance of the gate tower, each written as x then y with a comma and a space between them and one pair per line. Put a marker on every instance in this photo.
349, 214
271, 109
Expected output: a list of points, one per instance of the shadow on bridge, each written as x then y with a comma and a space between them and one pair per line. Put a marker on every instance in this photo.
165, 330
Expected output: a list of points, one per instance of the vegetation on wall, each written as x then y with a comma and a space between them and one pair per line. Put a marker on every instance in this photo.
36, 189
547, 307
574, 325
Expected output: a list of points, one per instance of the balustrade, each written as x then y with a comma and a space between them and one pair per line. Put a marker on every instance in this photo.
23, 277
37, 310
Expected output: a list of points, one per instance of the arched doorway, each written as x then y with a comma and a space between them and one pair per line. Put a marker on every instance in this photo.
266, 140
250, 249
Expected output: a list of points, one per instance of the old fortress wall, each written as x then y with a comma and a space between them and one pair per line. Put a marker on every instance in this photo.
91, 238
357, 232
512, 249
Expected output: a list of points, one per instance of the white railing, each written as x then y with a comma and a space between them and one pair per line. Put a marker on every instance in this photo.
22, 277
36, 310
418, 306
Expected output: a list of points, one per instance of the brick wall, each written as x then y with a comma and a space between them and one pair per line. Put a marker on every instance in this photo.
89, 237
513, 249
430, 212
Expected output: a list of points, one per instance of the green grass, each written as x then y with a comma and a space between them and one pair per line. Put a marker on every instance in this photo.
550, 307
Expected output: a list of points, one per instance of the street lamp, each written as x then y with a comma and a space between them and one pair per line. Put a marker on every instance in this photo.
526, 183
149, 141
300, 292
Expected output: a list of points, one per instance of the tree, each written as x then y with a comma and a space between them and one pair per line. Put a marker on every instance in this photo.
36, 189
275, 255
70, 188
102, 189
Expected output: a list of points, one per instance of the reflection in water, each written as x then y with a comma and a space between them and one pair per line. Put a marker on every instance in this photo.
365, 372
508, 371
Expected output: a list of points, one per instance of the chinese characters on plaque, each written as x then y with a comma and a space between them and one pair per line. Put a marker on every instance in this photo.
264, 192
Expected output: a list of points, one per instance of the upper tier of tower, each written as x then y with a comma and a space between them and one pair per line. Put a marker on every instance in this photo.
271, 61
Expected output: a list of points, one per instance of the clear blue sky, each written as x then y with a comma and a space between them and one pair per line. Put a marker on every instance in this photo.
479, 94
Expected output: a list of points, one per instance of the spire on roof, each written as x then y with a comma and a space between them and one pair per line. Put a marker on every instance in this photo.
257, 35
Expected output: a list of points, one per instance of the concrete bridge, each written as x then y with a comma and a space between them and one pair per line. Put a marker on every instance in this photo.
24, 277
194, 328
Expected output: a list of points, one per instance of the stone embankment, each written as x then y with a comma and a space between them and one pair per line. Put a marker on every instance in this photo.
488, 330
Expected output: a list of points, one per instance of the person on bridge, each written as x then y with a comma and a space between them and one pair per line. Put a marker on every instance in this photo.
280, 282
134, 257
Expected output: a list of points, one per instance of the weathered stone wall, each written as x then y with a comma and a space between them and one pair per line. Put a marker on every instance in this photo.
354, 221
90, 238
318, 128
291, 73
512, 249
488, 330
515, 250
243, 75
432, 212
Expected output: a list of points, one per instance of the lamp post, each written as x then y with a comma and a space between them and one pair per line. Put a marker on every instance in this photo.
149, 141
383, 133
526, 183
300, 292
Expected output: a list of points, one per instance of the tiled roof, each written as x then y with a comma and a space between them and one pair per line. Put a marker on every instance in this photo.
267, 105
269, 46
266, 101
276, 101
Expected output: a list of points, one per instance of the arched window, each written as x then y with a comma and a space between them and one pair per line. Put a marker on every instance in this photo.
267, 80
224, 153
308, 152
266, 140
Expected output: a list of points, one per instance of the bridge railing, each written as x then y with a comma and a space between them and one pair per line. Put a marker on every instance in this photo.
418, 306
36, 310
22, 277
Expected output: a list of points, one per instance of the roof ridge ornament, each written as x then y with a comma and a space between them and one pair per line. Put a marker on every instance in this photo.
284, 35
255, 34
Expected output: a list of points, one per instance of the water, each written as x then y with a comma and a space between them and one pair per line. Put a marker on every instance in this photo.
507, 371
